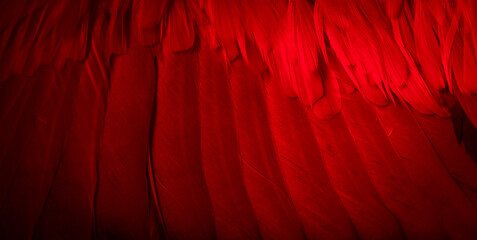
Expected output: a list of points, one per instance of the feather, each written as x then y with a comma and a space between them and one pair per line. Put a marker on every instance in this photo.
276, 215
73, 191
394, 8
470, 17
404, 35
259, 17
298, 61
350, 58
300, 159
419, 96
416, 92
467, 102
33, 37
330, 104
119, 27
468, 83
24, 95
442, 137
456, 63
40, 153
123, 157
180, 34
427, 46
226, 23
14, 48
176, 152
381, 162
220, 153
150, 19
424, 166
464, 131
350, 180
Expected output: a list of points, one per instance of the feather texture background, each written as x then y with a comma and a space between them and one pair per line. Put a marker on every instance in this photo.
243, 119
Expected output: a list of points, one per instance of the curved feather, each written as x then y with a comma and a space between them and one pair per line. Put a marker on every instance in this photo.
424, 166
305, 176
350, 180
176, 151
123, 157
39, 154
459, 164
220, 152
388, 176
427, 46
73, 191
275, 212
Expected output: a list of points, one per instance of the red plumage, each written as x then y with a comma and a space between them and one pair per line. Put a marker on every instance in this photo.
220, 151
243, 119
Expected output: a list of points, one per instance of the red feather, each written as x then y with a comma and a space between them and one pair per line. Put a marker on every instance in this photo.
176, 152
385, 171
220, 152
123, 158
41, 151
305, 176
425, 168
276, 215
350, 180
76, 176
